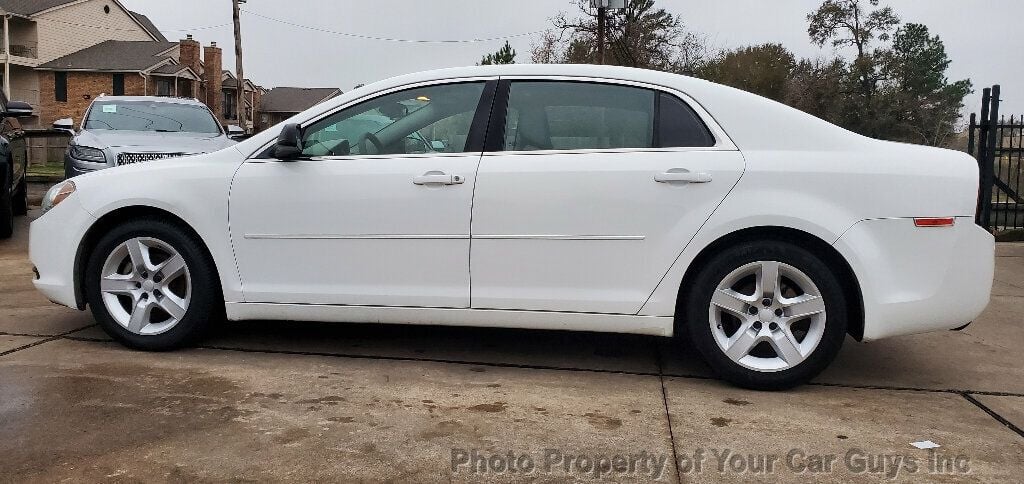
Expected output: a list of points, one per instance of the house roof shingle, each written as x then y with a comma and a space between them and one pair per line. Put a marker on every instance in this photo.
169, 69
30, 7
295, 99
113, 55
149, 25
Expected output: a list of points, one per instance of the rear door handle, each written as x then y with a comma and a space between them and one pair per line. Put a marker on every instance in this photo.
682, 175
438, 178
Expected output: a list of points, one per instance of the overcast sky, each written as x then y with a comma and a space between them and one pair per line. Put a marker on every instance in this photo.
984, 38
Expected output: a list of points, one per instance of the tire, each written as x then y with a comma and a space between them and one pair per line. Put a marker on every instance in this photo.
20, 203
144, 308
804, 322
6, 210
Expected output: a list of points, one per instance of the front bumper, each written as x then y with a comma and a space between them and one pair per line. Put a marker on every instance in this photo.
54, 239
916, 279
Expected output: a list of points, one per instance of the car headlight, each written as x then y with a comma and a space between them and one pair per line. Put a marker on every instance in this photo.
86, 153
57, 193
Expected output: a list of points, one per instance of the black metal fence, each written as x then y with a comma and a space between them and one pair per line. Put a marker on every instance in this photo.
996, 142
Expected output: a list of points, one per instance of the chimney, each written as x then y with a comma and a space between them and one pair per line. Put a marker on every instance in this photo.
188, 56
213, 59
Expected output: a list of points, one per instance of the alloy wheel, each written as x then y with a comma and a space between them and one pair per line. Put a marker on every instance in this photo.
145, 285
767, 316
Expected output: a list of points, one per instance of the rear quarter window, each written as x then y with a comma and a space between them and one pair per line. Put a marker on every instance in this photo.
679, 125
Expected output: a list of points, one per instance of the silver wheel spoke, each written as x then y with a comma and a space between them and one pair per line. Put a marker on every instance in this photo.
768, 279
802, 306
730, 300
139, 254
786, 347
172, 307
117, 284
140, 315
742, 342
173, 267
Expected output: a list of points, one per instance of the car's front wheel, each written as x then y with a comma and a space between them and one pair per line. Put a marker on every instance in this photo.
766, 315
151, 285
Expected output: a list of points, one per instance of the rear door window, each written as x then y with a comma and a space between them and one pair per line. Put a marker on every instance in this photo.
566, 115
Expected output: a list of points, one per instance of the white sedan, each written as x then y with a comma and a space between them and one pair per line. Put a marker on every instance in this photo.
584, 198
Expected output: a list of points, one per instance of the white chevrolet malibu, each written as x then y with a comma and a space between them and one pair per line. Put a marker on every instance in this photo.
582, 198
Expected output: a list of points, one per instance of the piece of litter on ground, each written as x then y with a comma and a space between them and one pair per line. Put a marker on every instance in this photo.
925, 444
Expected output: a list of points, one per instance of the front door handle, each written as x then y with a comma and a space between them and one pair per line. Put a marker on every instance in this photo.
682, 175
438, 178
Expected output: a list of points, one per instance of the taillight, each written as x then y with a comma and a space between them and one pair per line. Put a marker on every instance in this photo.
934, 222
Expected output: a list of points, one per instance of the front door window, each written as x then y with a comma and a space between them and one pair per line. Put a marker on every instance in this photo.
430, 119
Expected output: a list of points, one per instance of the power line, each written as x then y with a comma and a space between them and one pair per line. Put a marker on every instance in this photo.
311, 28
391, 39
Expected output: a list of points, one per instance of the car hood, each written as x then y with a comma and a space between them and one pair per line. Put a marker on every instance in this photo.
120, 141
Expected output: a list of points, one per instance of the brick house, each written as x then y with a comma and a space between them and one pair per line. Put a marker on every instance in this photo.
253, 98
38, 31
64, 53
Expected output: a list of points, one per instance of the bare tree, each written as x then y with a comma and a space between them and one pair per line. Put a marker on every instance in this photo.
640, 35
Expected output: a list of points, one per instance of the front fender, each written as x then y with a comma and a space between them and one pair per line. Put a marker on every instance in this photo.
193, 189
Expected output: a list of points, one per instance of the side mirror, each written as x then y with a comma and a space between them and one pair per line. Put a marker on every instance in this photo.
18, 109
235, 132
66, 124
289, 143
438, 145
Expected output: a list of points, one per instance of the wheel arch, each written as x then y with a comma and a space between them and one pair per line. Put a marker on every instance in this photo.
847, 277
116, 217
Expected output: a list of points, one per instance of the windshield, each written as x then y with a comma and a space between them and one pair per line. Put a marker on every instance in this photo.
151, 116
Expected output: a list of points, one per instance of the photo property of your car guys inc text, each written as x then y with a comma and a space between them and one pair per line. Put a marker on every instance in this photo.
532, 241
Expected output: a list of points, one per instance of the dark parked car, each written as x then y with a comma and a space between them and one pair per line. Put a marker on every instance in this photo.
13, 186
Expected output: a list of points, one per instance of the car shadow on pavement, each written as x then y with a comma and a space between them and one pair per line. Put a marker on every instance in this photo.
621, 353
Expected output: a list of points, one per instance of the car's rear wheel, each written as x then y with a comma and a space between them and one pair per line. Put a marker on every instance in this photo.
20, 202
152, 286
766, 315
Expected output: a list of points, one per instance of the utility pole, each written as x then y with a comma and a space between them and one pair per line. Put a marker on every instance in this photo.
602, 7
240, 89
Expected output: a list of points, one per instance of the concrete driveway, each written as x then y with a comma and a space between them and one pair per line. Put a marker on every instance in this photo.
281, 401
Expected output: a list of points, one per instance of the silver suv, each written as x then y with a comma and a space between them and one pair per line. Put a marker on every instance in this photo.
120, 130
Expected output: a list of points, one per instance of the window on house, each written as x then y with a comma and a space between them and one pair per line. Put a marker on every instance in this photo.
163, 87
118, 85
230, 104
60, 86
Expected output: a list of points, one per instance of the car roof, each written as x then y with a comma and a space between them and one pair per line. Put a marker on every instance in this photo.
752, 122
158, 99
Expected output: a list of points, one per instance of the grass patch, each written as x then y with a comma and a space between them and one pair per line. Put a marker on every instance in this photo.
46, 169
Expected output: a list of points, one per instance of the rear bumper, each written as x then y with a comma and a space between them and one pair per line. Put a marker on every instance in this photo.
915, 280
54, 239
